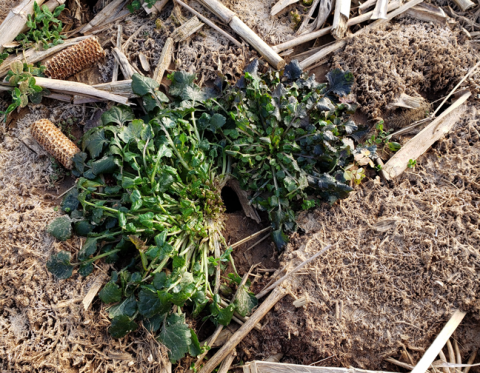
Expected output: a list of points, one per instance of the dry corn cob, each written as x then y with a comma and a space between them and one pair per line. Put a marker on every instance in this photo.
54, 142
74, 59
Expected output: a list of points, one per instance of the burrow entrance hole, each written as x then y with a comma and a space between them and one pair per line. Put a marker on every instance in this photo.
230, 200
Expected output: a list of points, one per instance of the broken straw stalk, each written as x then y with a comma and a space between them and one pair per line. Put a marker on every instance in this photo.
316, 34
341, 43
230, 18
340, 18
15, 21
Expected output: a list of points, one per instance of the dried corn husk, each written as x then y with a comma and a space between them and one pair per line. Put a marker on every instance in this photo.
74, 59
54, 142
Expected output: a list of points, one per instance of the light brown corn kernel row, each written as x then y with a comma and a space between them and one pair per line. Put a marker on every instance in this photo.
54, 142
74, 59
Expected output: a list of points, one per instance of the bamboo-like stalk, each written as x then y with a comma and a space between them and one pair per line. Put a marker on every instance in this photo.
105, 25
238, 336
464, 4
323, 12
75, 88
340, 18
304, 26
366, 5
230, 18
119, 46
127, 69
470, 361
227, 363
316, 34
33, 56
60, 97
121, 88
380, 11
187, 29
164, 61
15, 21
428, 13
341, 43
110, 10
210, 23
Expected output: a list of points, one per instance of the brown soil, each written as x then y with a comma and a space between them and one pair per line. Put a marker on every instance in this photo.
405, 256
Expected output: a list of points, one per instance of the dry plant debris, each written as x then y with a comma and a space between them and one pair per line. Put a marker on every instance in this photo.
42, 321
406, 257
54, 141
409, 57
74, 59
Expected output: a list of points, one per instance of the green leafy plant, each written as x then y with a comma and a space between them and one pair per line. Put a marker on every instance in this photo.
147, 197
148, 200
136, 5
43, 28
380, 137
411, 163
22, 77
284, 135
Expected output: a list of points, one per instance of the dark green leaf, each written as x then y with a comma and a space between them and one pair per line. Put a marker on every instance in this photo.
121, 326
60, 228
110, 293
340, 82
127, 307
142, 85
94, 142
59, 265
245, 302
118, 114
176, 336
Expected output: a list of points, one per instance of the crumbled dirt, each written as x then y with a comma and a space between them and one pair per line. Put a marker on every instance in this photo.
43, 324
5, 6
405, 255
409, 57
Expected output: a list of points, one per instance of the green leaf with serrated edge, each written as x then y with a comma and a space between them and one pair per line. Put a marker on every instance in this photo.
225, 315
110, 293
121, 326
176, 336
133, 131
60, 228
245, 302
160, 280
59, 265
142, 85
94, 142
118, 114
148, 303
340, 82
127, 307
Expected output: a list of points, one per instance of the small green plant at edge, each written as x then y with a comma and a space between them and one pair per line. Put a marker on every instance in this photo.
383, 138
148, 199
43, 28
22, 77
411, 163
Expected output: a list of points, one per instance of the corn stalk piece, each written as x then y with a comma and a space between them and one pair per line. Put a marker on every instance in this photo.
230, 18
54, 142
188, 28
15, 21
74, 59
110, 10
164, 61
340, 18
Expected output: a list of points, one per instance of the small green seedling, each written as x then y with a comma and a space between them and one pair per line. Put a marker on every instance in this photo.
411, 163
383, 138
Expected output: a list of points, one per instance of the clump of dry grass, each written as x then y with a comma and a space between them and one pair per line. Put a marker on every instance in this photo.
406, 57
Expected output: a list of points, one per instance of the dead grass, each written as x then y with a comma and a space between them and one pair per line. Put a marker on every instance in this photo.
405, 256
409, 57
